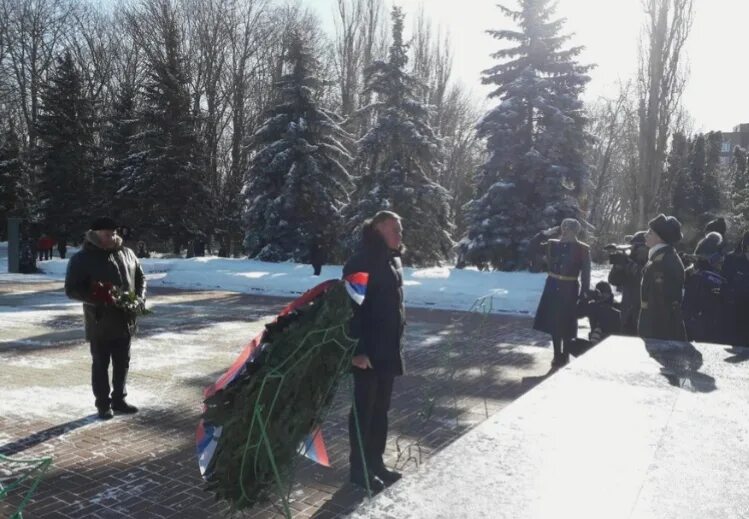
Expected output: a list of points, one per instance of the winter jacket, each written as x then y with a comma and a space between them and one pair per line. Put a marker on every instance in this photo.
704, 309
627, 278
736, 272
379, 322
661, 296
118, 266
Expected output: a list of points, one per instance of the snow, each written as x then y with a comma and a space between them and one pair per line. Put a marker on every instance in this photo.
445, 288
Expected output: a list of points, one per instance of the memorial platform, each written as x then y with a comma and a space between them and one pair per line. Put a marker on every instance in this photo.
632, 429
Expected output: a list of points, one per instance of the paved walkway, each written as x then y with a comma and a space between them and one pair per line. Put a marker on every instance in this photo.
462, 368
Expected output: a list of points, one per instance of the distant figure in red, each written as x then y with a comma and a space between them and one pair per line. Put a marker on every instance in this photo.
45, 245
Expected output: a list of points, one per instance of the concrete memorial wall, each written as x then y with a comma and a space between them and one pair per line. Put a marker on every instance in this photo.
632, 429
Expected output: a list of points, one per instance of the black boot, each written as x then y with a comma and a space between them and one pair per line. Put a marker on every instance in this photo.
105, 413
120, 406
359, 479
388, 477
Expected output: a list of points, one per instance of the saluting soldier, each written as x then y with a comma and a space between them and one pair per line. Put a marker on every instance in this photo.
662, 283
568, 259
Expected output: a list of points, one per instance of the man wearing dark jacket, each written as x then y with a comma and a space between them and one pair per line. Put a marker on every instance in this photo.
378, 325
736, 272
627, 277
662, 283
704, 305
102, 264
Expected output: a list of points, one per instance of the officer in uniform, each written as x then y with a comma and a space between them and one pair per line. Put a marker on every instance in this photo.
627, 278
568, 259
704, 291
662, 283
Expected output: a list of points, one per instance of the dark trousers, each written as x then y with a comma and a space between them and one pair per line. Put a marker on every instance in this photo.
561, 349
629, 322
118, 350
372, 392
318, 269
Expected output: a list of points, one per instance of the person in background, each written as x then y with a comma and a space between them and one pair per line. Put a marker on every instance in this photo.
142, 251
662, 283
736, 273
602, 313
568, 259
704, 291
718, 225
62, 247
626, 275
317, 255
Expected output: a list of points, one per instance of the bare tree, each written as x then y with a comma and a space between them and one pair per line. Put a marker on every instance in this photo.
348, 52
614, 124
661, 81
33, 34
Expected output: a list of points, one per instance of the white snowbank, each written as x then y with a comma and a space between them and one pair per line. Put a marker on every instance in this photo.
436, 287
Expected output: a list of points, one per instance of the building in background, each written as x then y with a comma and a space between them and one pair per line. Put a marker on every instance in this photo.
738, 137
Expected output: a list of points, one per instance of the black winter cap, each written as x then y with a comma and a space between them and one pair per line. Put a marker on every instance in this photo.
638, 238
718, 225
667, 227
104, 223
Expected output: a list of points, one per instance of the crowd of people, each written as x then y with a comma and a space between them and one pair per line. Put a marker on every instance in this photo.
706, 301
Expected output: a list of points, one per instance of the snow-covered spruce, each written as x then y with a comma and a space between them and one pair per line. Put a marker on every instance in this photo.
398, 159
165, 171
65, 152
535, 140
298, 177
15, 182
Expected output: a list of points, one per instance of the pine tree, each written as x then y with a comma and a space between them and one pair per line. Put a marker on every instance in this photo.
740, 195
298, 176
399, 158
168, 181
123, 151
695, 179
15, 193
739, 171
535, 140
710, 189
65, 132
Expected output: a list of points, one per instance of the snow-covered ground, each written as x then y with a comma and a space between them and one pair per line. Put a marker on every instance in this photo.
438, 287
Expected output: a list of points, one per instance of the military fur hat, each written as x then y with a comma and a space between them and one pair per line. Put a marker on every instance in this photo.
667, 227
709, 245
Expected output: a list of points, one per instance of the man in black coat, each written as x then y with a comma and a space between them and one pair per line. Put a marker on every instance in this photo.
378, 325
627, 277
736, 272
101, 264
662, 283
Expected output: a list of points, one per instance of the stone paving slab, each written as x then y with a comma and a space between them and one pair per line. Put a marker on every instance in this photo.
462, 369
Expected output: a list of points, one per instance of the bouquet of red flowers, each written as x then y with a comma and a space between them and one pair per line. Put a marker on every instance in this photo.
106, 293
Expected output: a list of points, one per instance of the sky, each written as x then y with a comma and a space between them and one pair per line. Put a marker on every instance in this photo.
716, 95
